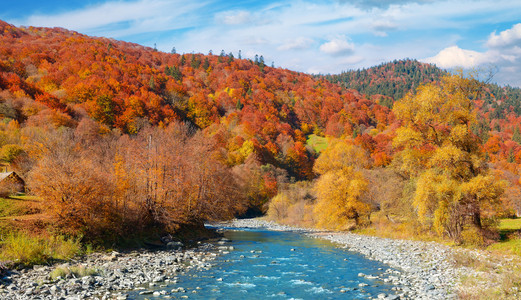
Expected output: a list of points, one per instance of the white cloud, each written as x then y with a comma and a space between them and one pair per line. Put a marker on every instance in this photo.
503, 53
381, 27
338, 46
255, 40
509, 37
234, 18
121, 18
454, 56
296, 44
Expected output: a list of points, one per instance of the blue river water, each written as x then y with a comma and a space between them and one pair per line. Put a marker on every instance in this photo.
283, 265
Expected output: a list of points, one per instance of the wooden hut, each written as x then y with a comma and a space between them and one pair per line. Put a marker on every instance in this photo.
10, 181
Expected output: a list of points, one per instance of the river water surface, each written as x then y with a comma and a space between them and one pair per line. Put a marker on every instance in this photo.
268, 264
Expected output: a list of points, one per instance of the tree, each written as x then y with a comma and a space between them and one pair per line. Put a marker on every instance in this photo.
340, 187
206, 63
76, 190
438, 150
516, 136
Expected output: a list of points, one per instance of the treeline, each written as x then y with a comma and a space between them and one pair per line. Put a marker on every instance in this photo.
390, 82
110, 186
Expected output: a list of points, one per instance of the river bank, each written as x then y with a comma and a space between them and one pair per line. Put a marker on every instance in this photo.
423, 270
107, 275
418, 270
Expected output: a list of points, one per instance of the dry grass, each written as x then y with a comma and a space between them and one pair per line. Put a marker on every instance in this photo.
488, 275
23, 249
381, 226
74, 271
15, 206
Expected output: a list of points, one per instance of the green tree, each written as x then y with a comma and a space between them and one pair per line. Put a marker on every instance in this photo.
9, 152
516, 136
104, 110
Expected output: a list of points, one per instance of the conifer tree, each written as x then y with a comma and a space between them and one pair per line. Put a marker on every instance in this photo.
516, 136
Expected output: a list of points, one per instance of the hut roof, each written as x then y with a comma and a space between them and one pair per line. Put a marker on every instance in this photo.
4, 175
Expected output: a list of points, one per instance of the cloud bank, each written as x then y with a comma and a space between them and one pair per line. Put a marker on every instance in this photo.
503, 51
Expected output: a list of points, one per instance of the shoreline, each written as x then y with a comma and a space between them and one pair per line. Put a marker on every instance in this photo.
117, 274
419, 270
422, 269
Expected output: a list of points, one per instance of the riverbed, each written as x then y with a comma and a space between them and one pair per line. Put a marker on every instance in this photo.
265, 264
255, 259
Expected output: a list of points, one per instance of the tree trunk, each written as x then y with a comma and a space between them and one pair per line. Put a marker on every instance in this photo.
476, 219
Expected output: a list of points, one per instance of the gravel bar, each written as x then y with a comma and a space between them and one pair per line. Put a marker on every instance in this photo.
116, 275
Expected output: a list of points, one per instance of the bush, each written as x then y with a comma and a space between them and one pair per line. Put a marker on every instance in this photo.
26, 250
293, 205
472, 236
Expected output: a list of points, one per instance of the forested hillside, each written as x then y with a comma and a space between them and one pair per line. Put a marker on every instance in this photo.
395, 79
107, 106
118, 138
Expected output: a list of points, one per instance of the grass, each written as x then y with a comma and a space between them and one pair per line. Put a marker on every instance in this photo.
318, 143
75, 271
22, 249
18, 206
510, 237
497, 273
493, 276
509, 225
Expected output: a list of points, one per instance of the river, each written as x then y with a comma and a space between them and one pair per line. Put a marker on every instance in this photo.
282, 265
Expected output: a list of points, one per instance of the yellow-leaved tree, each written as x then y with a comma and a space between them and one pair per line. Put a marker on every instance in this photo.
340, 187
439, 151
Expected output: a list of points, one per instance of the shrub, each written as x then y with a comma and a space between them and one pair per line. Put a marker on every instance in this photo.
26, 250
472, 236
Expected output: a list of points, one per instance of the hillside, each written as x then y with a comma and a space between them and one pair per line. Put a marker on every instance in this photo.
393, 80
128, 87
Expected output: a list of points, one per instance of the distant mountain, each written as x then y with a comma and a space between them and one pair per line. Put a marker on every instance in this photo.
391, 81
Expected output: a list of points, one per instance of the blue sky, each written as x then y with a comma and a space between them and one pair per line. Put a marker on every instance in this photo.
303, 35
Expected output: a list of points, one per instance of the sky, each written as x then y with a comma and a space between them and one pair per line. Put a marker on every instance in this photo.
325, 37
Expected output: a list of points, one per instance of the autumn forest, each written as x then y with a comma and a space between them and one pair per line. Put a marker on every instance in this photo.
121, 140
